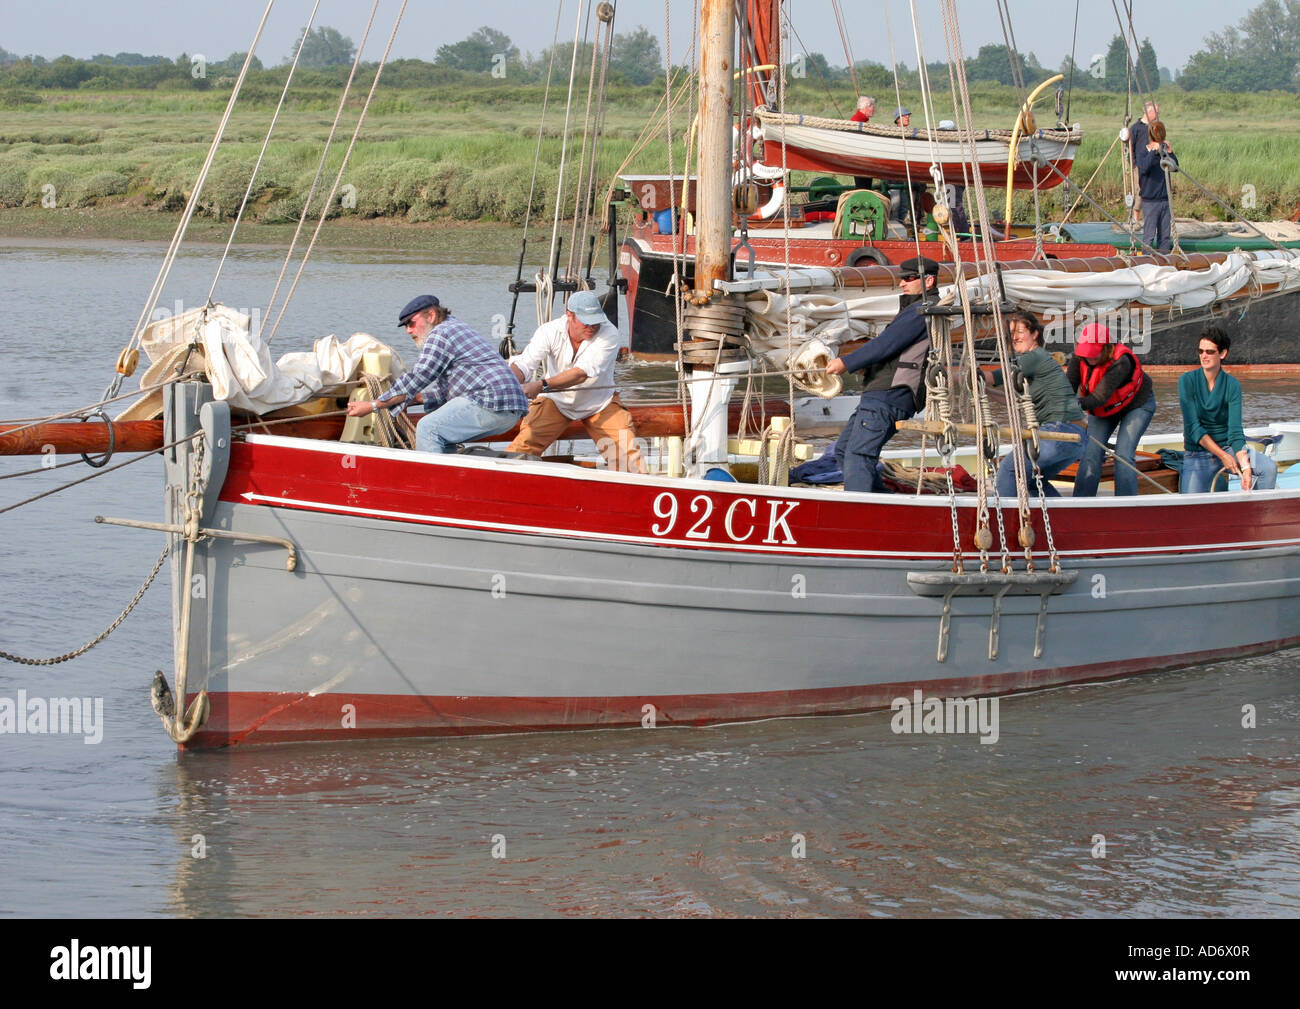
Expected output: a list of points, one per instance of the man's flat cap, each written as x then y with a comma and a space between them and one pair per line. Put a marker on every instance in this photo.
415, 306
920, 266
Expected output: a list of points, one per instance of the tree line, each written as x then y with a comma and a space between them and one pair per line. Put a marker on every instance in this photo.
1260, 53
634, 59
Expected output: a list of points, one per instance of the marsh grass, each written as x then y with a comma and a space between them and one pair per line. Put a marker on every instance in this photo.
468, 154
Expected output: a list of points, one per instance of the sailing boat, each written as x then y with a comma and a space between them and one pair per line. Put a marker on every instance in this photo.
357, 591
1247, 280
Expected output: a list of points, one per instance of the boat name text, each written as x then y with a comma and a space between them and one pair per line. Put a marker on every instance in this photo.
741, 520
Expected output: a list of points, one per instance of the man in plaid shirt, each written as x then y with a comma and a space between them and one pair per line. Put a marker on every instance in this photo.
459, 376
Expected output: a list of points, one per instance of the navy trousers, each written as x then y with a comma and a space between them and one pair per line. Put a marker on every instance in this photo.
872, 424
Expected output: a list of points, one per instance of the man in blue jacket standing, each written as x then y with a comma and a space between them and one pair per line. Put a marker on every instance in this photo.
891, 365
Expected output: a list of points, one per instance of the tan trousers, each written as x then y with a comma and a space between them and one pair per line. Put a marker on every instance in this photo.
611, 429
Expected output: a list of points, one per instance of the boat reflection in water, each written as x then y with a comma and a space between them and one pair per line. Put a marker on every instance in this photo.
708, 823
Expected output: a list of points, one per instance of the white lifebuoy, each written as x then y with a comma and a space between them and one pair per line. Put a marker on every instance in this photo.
773, 206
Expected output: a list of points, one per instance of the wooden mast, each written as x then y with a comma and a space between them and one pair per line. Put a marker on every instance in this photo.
713, 221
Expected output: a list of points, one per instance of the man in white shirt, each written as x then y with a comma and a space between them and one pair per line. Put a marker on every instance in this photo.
576, 354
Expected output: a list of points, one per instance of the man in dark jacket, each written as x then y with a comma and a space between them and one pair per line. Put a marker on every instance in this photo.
892, 364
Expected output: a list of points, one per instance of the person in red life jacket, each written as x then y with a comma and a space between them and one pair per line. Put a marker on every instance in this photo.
866, 109
1116, 395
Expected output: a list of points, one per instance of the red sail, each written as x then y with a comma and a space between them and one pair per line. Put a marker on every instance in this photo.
765, 36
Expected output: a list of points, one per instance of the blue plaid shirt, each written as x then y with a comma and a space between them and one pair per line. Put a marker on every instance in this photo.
456, 361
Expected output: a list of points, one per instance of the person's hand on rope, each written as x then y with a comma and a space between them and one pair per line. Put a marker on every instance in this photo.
1230, 462
835, 366
1244, 468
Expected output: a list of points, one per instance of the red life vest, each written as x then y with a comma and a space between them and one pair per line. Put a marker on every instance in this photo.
1123, 396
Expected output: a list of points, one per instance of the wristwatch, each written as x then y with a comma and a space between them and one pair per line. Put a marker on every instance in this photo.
546, 386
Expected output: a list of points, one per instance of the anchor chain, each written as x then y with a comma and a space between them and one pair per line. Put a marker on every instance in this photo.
55, 660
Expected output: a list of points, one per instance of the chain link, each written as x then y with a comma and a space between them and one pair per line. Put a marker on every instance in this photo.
111, 628
957, 560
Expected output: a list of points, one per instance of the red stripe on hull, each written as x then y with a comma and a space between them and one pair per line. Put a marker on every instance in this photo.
271, 717
735, 518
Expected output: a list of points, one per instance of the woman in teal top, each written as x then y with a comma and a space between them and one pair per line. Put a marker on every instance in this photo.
1212, 436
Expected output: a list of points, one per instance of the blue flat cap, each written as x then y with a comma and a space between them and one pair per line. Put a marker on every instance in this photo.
900, 112
586, 306
415, 305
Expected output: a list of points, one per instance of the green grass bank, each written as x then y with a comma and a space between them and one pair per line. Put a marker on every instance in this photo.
104, 164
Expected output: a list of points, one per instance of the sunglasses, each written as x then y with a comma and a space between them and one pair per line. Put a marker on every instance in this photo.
1211, 353
906, 277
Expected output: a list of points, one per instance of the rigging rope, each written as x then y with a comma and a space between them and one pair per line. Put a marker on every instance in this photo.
248, 192
541, 121
97, 472
191, 205
320, 167
338, 178
564, 144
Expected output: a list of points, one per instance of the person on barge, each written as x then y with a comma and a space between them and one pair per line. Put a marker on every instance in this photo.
892, 364
1057, 408
1117, 396
458, 376
865, 110
1210, 399
1154, 188
576, 354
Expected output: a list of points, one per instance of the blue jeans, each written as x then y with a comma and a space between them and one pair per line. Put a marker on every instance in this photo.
1199, 469
1132, 424
871, 425
1053, 456
460, 420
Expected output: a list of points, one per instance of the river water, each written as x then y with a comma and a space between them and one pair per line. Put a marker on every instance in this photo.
1141, 797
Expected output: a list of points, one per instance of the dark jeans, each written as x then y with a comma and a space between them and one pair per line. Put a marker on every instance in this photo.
871, 425
1132, 424
1155, 225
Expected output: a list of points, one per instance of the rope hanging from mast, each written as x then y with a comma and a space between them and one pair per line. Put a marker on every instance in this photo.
338, 178
178, 237
248, 192
320, 167
984, 248
585, 186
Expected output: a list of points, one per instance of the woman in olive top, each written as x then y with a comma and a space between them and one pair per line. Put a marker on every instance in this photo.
1212, 437
1054, 403
1116, 394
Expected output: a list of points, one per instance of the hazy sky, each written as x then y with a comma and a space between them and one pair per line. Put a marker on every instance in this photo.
216, 28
